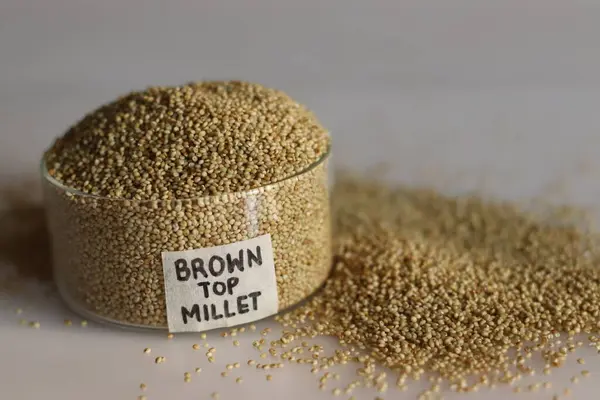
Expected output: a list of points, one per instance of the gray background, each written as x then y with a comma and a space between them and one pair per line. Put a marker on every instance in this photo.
503, 95
459, 85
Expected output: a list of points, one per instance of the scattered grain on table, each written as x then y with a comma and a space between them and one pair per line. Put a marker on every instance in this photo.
449, 285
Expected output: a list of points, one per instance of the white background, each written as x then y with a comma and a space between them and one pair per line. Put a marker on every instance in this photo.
504, 95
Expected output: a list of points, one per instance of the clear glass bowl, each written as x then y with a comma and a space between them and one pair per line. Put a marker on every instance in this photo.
107, 251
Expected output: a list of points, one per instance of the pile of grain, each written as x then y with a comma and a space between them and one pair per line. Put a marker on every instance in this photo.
448, 285
260, 156
188, 141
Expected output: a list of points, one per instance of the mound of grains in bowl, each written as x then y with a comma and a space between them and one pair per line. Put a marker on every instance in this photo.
188, 141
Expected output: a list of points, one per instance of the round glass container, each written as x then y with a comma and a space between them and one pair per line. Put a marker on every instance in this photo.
107, 251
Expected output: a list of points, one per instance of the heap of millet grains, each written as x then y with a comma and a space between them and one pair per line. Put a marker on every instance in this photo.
463, 289
188, 141
154, 156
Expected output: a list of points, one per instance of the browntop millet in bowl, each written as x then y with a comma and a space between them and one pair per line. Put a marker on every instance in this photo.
179, 168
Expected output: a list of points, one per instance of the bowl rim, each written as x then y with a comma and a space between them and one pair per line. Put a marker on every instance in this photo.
209, 198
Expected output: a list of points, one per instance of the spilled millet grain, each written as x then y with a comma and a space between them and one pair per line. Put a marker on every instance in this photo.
425, 283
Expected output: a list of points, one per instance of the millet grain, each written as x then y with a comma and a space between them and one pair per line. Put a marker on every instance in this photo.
425, 283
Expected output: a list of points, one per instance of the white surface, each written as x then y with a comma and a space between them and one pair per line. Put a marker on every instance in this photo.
502, 94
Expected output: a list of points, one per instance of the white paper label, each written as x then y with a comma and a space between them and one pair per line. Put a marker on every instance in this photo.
216, 287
